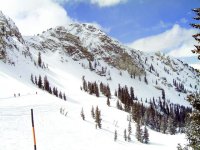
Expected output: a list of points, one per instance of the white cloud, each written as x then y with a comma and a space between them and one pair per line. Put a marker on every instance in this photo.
107, 3
35, 16
177, 41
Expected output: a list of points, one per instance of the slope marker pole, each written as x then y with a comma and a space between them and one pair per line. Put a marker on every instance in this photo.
33, 129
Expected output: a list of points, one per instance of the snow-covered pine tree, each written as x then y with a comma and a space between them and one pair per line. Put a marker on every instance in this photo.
64, 97
40, 82
108, 101
145, 79
39, 60
90, 66
132, 93
125, 136
36, 82
82, 114
193, 125
92, 112
108, 93
85, 86
46, 84
32, 80
138, 131
146, 135
60, 95
163, 125
96, 89
163, 94
171, 126
115, 135
129, 137
196, 36
98, 117
129, 131
129, 128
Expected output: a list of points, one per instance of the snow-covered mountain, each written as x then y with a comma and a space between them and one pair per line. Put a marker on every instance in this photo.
68, 54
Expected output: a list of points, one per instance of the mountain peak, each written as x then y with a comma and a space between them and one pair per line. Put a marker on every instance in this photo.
8, 27
85, 27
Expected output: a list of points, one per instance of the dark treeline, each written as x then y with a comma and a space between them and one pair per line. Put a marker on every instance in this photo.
105, 90
179, 86
93, 88
125, 97
43, 83
158, 114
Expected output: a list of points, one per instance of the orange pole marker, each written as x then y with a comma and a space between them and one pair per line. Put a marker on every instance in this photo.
33, 129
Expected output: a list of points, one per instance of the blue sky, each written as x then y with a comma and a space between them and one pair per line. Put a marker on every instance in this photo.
135, 19
146, 25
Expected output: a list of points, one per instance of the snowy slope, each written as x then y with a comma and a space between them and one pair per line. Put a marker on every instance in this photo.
66, 52
84, 43
57, 131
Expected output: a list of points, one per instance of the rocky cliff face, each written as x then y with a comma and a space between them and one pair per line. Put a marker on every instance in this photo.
84, 41
10, 40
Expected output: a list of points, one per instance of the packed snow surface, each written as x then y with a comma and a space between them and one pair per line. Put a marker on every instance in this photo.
66, 130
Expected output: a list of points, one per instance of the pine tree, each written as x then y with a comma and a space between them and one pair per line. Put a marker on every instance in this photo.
196, 36
145, 79
193, 125
60, 95
50, 90
98, 117
85, 86
171, 126
46, 84
163, 94
36, 82
129, 131
129, 128
32, 80
82, 114
146, 135
90, 66
115, 136
135, 112
108, 101
125, 136
163, 126
40, 82
39, 60
108, 93
96, 89
138, 132
92, 112
55, 91
64, 97
132, 93
129, 137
